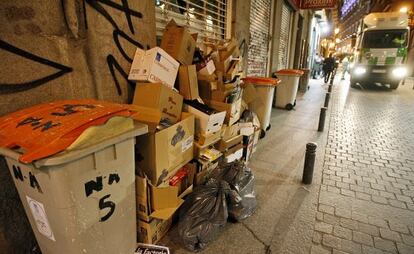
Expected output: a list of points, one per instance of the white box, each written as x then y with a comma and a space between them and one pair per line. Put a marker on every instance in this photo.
208, 69
155, 66
205, 123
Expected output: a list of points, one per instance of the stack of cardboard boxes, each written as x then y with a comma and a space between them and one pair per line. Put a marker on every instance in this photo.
192, 120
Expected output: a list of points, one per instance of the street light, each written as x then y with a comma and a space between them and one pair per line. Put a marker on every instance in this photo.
404, 9
336, 30
337, 40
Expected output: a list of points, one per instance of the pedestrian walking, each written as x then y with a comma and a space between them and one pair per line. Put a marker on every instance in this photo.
328, 67
316, 67
345, 67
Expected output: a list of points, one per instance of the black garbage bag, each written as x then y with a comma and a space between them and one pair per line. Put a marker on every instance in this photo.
240, 179
203, 215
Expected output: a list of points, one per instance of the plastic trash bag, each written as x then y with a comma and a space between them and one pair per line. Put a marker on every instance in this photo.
240, 179
203, 215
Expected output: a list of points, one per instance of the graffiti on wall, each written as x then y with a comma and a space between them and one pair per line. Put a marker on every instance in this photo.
113, 63
16, 87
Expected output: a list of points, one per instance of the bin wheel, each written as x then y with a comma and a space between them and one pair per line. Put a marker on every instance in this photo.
289, 106
268, 127
262, 134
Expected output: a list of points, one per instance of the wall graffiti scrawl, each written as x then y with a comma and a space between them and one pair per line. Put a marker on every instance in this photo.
16, 87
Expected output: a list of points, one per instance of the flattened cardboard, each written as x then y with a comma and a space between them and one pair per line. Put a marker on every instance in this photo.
155, 66
158, 96
188, 83
179, 43
205, 123
232, 110
163, 152
149, 116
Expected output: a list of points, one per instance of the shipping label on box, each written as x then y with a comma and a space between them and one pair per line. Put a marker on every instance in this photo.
155, 66
188, 83
158, 96
163, 152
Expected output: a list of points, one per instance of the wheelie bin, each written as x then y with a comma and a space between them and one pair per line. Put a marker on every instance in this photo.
262, 104
288, 88
72, 163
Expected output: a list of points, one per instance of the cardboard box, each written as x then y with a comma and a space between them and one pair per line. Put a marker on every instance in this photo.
224, 145
207, 139
161, 153
158, 96
158, 202
232, 110
151, 232
179, 43
230, 49
188, 84
229, 132
206, 170
234, 153
233, 70
208, 69
155, 66
206, 122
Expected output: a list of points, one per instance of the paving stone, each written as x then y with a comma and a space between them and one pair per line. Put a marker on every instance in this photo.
377, 222
379, 199
341, 212
348, 193
368, 229
317, 237
386, 194
323, 227
407, 239
319, 216
390, 235
349, 223
318, 249
333, 189
397, 203
342, 232
350, 247
326, 209
334, 251
362, 196
398, 226
405, 249
404, 198
359, 217
331, 219
363, 238
331, 241
385, 245
371, 250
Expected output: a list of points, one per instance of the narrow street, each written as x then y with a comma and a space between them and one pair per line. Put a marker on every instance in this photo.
366, 197
361, 198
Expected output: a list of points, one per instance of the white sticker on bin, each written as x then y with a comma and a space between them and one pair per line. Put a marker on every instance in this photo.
187, 144
40, 217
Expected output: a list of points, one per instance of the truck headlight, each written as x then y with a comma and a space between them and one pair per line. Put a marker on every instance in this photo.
399, 72
359, 70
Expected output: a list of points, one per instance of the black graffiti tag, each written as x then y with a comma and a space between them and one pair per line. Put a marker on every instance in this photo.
6, 88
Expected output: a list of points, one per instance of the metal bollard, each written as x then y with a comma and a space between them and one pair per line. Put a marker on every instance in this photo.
309, 163
330, 88
327, 97
322, 116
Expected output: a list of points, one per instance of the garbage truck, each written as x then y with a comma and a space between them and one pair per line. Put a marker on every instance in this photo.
382, 50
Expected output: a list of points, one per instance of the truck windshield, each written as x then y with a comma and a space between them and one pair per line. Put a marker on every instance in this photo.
385, 39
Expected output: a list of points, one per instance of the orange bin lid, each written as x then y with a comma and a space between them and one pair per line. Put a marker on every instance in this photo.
46, 129
261, 81
290, 72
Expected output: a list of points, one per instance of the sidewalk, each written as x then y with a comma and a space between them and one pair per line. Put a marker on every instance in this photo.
283, 222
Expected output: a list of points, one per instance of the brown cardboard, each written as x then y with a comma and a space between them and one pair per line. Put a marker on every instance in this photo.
162, 153
233, 70
179, 43
151, 232
229, 132
161, 97
207, 139
232, 110
188, 84
224, 145
149, 116
230, 49
234, 153
205, 123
